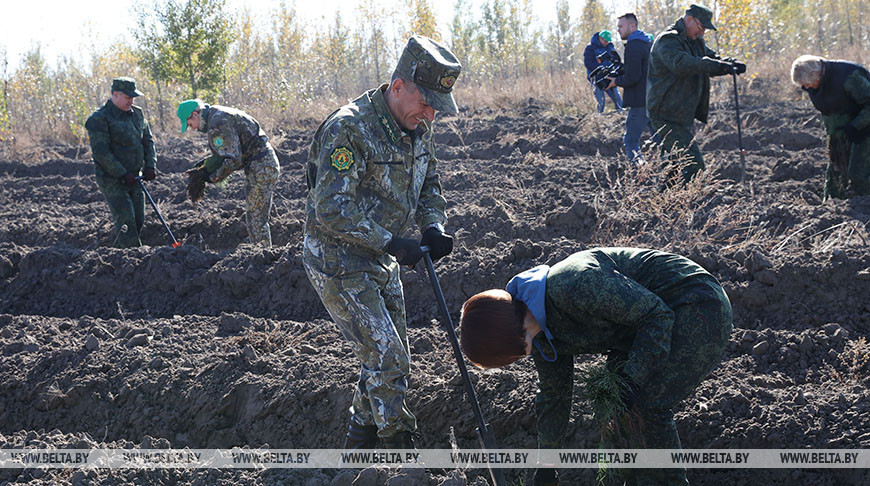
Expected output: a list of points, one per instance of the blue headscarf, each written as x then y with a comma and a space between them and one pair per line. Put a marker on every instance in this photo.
530, 287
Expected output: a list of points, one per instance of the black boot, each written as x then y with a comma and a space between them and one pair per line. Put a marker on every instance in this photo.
360, 437
402, 440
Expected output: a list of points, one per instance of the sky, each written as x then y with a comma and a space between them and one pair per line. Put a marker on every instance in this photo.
67, 28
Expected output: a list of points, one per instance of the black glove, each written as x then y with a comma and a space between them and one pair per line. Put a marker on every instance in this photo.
739, 67
149, 174
628, 393
724, 68
546, 477
406, 250
129, 178
440, 245
852, 133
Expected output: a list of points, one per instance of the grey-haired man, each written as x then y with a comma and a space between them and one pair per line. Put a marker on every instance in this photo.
371, 169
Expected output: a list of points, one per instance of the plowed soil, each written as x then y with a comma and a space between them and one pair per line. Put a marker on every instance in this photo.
218, 344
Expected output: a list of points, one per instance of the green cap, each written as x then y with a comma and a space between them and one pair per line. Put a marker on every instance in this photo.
703, 14
126, 86
433, 68
606, 35
185, 109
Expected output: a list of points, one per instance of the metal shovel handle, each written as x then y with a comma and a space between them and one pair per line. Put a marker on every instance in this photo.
484, 430
175, 242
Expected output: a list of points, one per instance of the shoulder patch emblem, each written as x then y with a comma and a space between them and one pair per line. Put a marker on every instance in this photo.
341, 158
218, 142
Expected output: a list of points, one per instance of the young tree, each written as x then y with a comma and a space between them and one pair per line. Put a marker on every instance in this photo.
523, 38
152, 53
197, 35
423, 20
738, 24
593, 19
463, 31
562, 39
373, 17
5, 122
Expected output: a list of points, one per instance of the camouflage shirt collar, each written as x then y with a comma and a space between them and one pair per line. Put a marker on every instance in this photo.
393, 132
203, 115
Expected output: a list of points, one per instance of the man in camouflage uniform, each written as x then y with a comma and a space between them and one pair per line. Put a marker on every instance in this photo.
660, 318
678, 86
840, 90
121, 147
236, 142
371, 169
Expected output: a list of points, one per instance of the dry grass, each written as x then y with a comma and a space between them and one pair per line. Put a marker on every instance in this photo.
649, 206
856, 358
33, 96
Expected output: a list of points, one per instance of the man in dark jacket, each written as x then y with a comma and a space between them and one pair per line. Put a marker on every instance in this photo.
633, 83
840, 90
678, 86
599, 44
121, 147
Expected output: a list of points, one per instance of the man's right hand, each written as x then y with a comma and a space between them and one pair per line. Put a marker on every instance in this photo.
406, 250
129, 178
546, 477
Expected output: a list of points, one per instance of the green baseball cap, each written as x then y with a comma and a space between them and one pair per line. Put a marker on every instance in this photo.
606, 35
703, 14
185, 109
433, 68
126, 86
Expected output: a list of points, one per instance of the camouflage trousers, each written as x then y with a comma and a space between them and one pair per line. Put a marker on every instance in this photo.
127, 205
363, 294
700, 333
261, 177
678, 142
848, 171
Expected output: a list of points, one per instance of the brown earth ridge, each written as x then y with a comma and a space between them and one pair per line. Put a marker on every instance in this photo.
218, 344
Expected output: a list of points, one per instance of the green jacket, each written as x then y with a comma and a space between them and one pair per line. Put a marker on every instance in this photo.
368, 178
120, 141
610, 301
678, 83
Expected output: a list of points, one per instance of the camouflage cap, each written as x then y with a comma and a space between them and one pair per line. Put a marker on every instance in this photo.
126, 86
703, 14
433, 68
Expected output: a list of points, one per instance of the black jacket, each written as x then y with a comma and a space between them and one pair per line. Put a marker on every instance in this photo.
633, 80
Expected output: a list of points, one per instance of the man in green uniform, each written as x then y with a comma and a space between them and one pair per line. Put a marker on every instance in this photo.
678, 86
840, 90
236, 142
660, 318
121, 147
371, 171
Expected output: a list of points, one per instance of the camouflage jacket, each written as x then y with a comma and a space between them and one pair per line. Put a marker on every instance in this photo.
678, 82
615, 301
120, 141
234, 138
367, 177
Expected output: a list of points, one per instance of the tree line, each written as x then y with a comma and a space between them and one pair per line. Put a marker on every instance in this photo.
281, 68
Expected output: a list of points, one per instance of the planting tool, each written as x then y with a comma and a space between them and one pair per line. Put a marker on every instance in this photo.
175, 243
484, 430
739, 128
